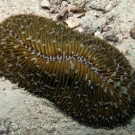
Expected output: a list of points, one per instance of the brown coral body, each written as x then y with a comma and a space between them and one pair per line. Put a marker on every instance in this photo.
83, 75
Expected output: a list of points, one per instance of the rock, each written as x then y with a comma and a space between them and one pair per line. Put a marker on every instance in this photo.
13, 126
125, 35
72, 22
1, 122
111, 36
62, 13
7, 122
111, 16
14, 87
98, 14
89, 24
106, 28
98, 5
2, 129
67, 11
110, 6
79, 15
70, 14
97, 33
120, 37
133, 132
76, 9
54, 9
132, 33
64, 4
80, 29
45, 4
78, 3
3, 78
48, 129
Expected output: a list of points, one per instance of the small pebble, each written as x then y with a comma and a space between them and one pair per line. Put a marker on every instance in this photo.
1, 122
111, 36
97, 33
89, 24
106, 28
49, 129
133, 132
14, 87
14, 126
125, 35
3, 78
70, 14
76, 9
110, 6
111, 16
80, 29
3, 129
79, 15
54, 9
64, 4
62, 13
72, 22
7, 122
132, 33
45, 4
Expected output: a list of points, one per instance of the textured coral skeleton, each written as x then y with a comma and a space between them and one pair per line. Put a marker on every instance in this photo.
83, 75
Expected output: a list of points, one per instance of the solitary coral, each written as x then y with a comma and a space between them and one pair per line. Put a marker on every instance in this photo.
85, 76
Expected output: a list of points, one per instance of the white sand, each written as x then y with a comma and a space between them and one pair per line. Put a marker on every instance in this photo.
22, 113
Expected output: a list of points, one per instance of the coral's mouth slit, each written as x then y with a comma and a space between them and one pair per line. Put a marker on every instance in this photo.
74, 57
83, 75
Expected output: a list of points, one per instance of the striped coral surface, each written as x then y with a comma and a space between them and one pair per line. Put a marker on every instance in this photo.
83, 75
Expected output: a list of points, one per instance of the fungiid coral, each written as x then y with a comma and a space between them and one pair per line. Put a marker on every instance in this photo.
83, 75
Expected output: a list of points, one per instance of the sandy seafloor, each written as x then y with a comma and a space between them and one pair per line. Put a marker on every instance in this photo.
22, 113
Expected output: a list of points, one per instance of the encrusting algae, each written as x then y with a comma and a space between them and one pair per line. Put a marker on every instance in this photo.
83, 75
